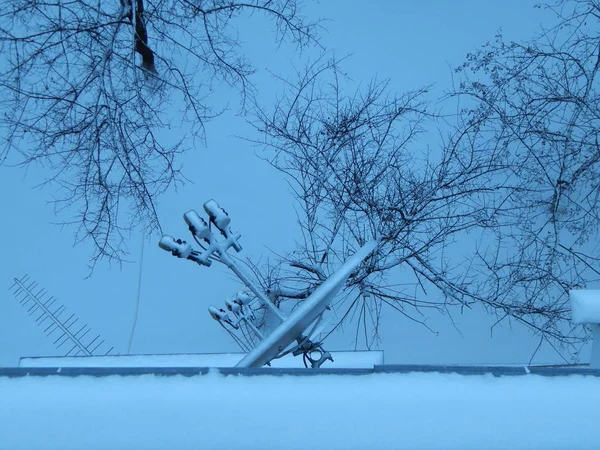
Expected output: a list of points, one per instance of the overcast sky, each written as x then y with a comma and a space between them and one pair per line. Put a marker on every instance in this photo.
413, 43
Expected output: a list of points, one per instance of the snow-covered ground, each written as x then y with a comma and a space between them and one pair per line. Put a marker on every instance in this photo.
378, 411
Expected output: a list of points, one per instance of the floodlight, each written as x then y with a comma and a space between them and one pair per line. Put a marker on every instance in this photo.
198, 225
178, 248
233, 305
217, 215
243, 298
219, 314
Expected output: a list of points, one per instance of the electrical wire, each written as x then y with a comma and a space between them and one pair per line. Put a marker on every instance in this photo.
137, 300
237, 340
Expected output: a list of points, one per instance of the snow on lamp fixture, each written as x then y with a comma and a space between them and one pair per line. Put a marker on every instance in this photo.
240, 316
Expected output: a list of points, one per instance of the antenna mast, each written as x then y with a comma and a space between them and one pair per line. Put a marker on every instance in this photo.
39, 303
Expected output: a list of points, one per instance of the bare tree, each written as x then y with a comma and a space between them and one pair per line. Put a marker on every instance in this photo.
357, 169
504, 213
86, 88
538, 103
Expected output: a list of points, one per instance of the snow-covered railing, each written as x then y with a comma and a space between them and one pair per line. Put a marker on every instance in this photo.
341, 360
585, 309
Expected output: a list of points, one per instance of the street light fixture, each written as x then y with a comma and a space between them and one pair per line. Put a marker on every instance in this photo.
280, 341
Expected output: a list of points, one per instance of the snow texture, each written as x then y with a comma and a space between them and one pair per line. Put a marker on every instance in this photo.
585, 306
379, 411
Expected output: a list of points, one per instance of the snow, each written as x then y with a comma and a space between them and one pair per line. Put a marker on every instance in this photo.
352, 360
377, 411
585, 306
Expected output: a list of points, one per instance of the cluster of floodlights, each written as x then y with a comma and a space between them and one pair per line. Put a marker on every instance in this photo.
211, 248
243, 307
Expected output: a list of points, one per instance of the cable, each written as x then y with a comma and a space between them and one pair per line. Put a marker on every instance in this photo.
235, 338
137, 300
200, 244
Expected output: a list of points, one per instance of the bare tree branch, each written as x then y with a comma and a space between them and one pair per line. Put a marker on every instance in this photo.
502, 214
74, 98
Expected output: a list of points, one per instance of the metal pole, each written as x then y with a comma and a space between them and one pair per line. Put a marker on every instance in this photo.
226, 259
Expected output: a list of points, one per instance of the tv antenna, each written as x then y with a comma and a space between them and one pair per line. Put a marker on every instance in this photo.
53, 318
291, 335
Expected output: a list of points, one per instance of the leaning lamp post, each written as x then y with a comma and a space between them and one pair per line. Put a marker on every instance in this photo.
280, 341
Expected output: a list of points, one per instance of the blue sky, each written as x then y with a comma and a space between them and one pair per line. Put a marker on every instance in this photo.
413, 43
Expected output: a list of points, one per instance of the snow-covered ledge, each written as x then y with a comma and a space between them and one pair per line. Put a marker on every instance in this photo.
585, 309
